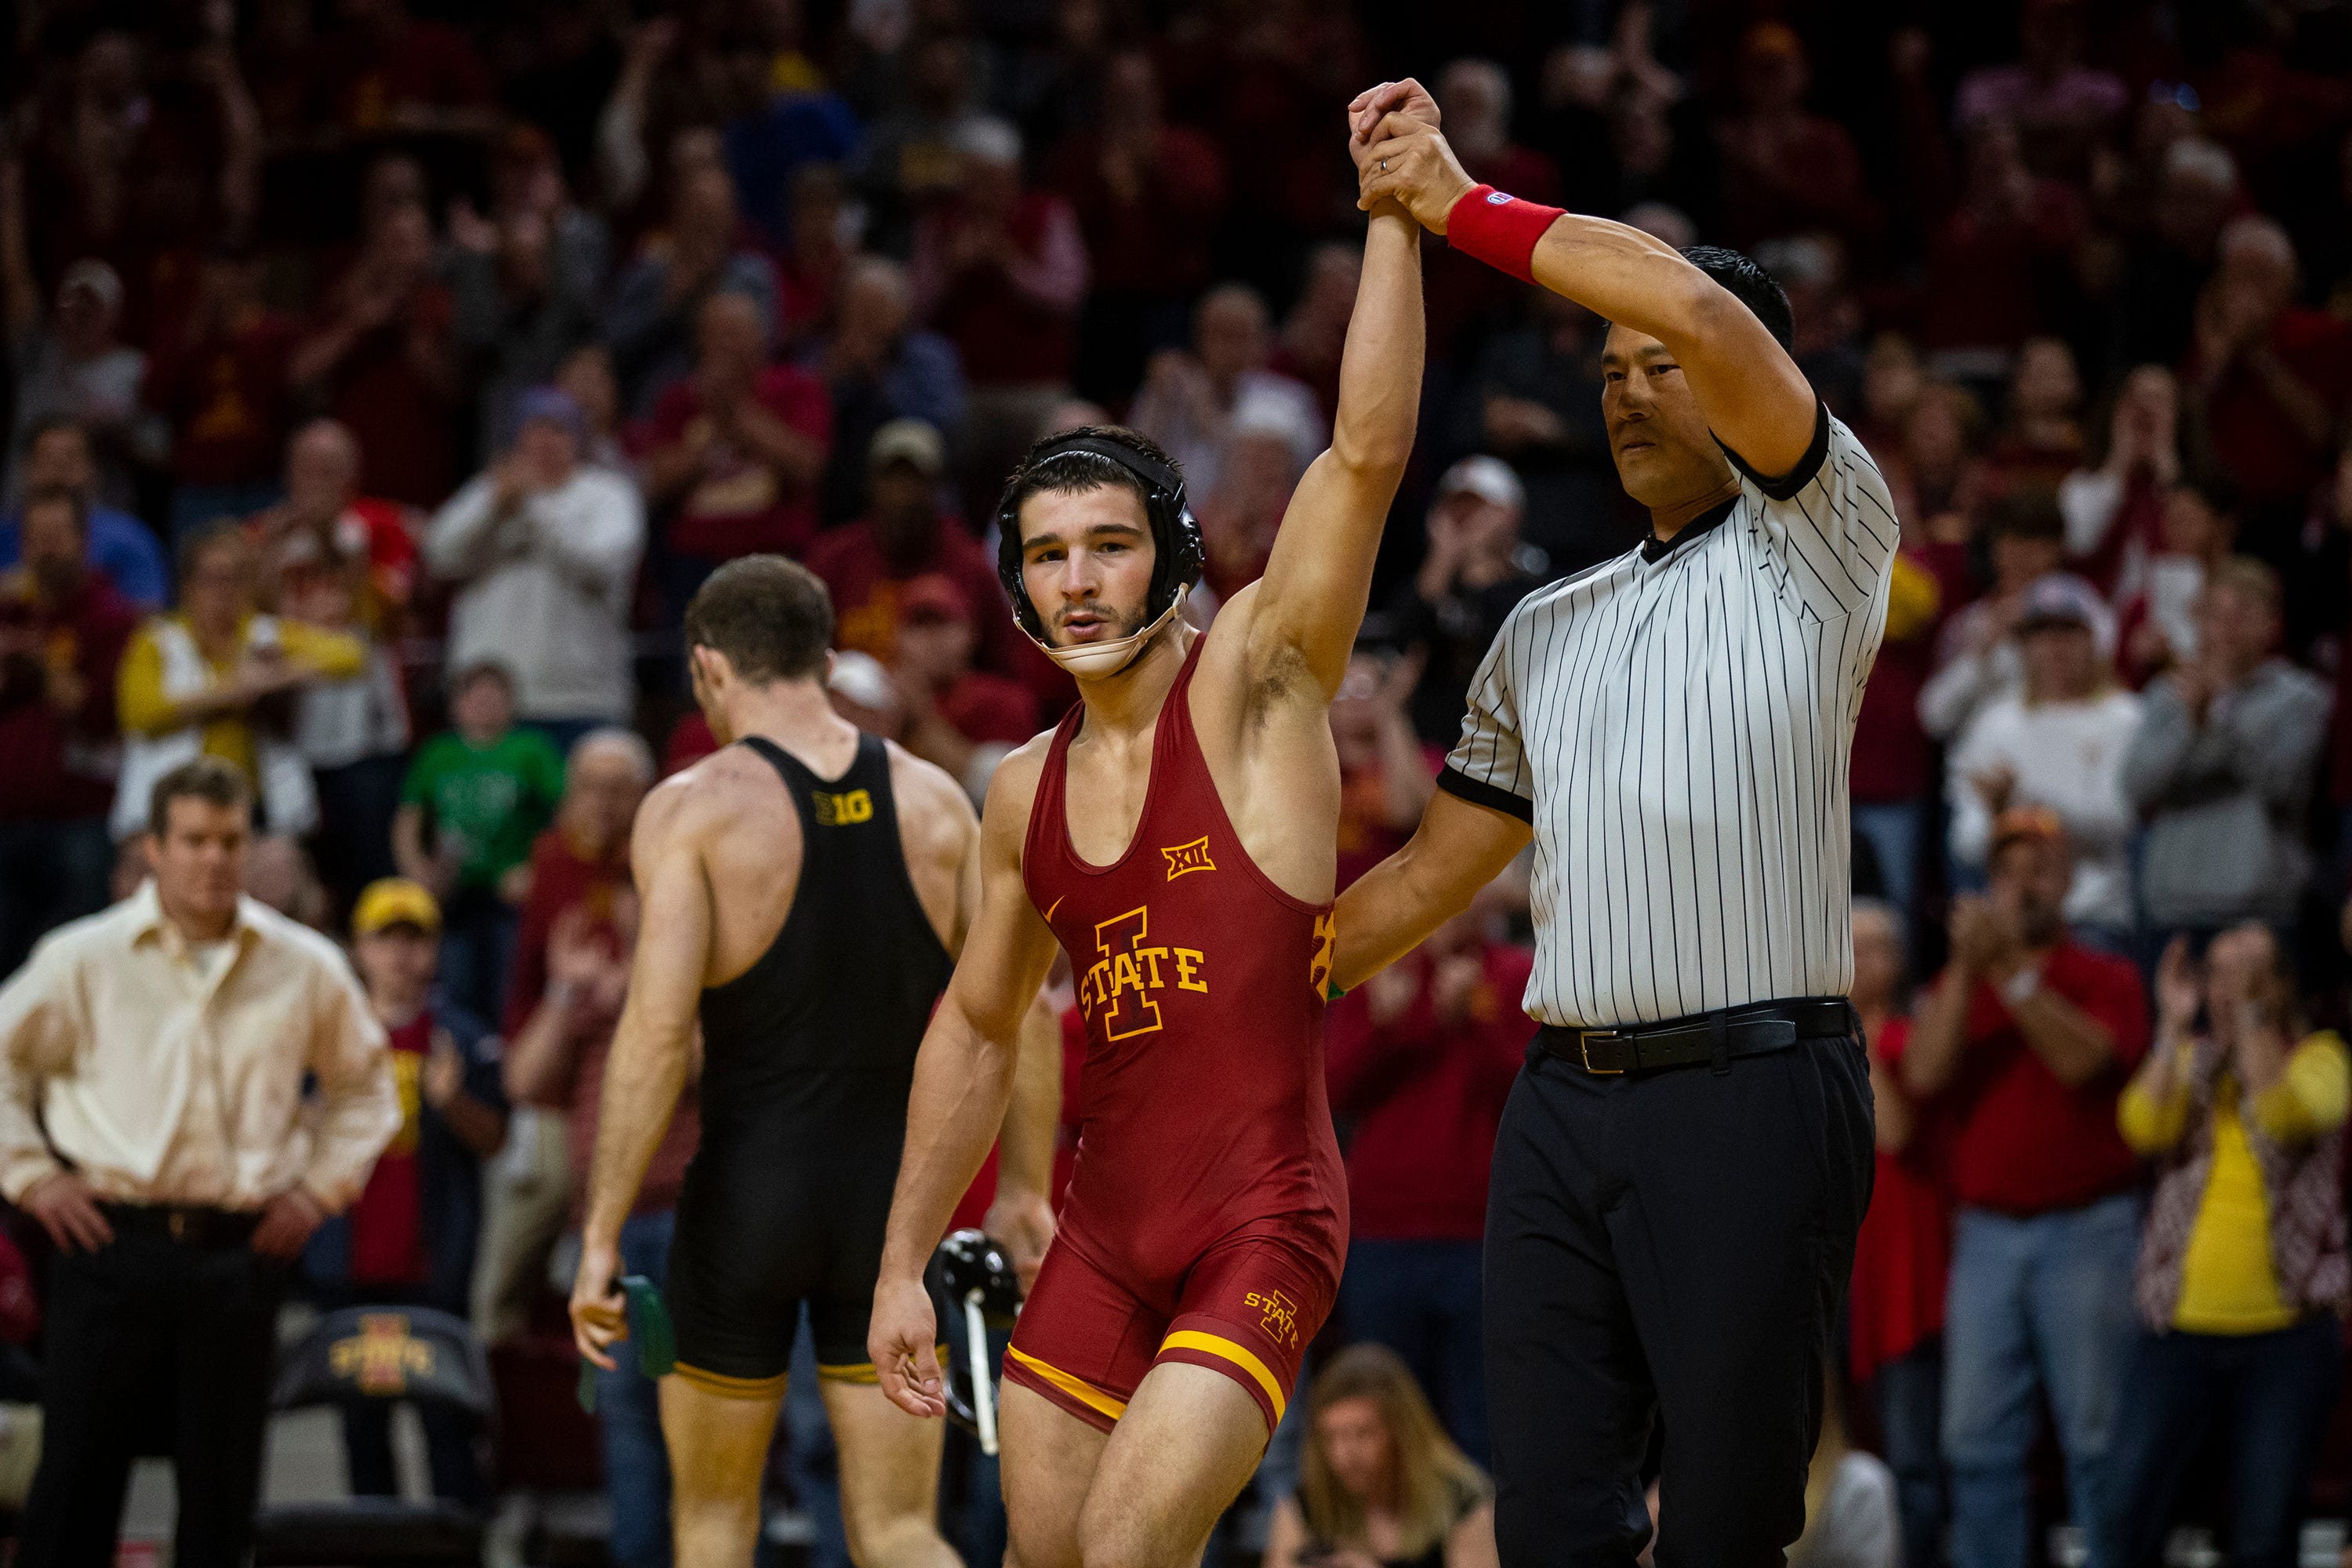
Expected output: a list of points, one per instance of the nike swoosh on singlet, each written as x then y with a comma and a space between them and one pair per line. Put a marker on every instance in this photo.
1057, 904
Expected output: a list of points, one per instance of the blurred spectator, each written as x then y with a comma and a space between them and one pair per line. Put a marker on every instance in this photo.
1892, 773
408, 1239
2059, 105
1937, 480
1382, 1483
1977, 656
2243, 1279
1269, 442
878, 368
791, 120
2270, 377
155, 1125
2155, 296
382, 361
733, 452
1148, 195
587, 377
475, 799
2040, 438
278, 876
1535, 401
219, 382
1892, 381
545, 549
655, 323
1421, 1059
1852, 1515
2223, 764
2114, 501
1903, 1257
62, 632
353, 731
867, 565
2023, 1044
962, 719
2197, 533
1473, 573
324, 524
1463, 294
516, 313
527, 180
121, 549
1314, 334
1190, 400
2000, 264
557, 1060
821, 244
910, 161
1000, 271
1785, 169
217, 677
2059, 743
392, 72
580, 863
1385, 777
74, 366
1827, 345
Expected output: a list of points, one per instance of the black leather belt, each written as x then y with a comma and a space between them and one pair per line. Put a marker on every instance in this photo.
188, 1225
1716, 1036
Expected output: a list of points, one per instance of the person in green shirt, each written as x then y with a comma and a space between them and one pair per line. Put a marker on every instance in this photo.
475, 799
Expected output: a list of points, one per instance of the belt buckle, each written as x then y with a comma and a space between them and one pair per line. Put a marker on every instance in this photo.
1584, 1038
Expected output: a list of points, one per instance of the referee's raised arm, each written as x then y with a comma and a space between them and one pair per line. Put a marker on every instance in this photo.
1754, 396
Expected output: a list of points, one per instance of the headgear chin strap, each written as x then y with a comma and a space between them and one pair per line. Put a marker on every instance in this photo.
1178, 560
1095, 660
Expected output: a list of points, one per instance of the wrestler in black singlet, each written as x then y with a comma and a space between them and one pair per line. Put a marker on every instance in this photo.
808, 1056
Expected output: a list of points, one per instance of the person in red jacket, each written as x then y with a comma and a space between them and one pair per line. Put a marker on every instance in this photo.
1421, 1059
2024, 1045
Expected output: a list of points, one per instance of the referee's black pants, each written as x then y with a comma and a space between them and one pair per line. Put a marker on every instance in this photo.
153, 1340
1668, 1245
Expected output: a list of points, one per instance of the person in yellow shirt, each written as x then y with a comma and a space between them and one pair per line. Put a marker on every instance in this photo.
215, 678
2243, 1279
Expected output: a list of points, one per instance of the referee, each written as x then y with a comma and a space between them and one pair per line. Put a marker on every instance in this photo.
1684, 1160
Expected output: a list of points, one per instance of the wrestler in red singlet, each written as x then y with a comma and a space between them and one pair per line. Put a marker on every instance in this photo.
1206, 1220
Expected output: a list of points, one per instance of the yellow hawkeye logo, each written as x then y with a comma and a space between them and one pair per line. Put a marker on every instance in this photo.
1192, 856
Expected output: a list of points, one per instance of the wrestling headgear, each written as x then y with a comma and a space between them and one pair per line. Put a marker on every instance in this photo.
1177, 560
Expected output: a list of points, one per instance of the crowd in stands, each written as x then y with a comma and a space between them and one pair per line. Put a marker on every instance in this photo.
385, 376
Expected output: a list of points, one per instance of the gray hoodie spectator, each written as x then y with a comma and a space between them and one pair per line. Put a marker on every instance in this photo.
2223, 764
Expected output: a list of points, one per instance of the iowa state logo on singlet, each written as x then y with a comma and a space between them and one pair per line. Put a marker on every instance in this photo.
1122, 986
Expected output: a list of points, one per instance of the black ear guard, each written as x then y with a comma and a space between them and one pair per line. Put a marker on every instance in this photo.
1178, 555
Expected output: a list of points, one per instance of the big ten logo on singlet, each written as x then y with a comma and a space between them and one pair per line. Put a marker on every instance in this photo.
1122, 986
845, 810
1277, 1315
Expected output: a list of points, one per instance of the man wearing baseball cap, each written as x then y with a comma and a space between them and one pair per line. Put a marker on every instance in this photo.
1476, 572
2023, 1046
409, 1239
965, 720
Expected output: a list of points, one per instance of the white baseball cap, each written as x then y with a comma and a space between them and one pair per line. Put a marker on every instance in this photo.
1487, 477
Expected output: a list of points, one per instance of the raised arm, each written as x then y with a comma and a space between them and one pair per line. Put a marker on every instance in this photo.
1752, 394
1457, 849
1311, 603
652, 1050
964, 1078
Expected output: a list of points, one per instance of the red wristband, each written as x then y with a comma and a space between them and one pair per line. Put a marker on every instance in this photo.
1499, 230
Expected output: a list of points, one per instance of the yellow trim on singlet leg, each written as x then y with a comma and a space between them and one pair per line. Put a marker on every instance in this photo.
1218, 1345
1077, 1388
859, 1372
728, 1387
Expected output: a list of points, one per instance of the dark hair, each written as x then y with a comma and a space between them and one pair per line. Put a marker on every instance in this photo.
204, 778
2216, 489
1046, 469
772, 618
2030, 512
60, 495
1750, 284
204, 537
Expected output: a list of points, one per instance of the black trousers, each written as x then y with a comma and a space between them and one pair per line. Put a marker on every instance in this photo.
1668, 1245
142, 1321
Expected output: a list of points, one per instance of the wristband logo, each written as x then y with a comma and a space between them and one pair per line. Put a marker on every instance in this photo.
1497, 198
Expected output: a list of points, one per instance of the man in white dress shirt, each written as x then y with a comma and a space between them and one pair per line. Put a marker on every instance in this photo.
163, 1045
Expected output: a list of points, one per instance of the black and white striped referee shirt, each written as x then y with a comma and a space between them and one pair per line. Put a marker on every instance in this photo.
1675, 724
